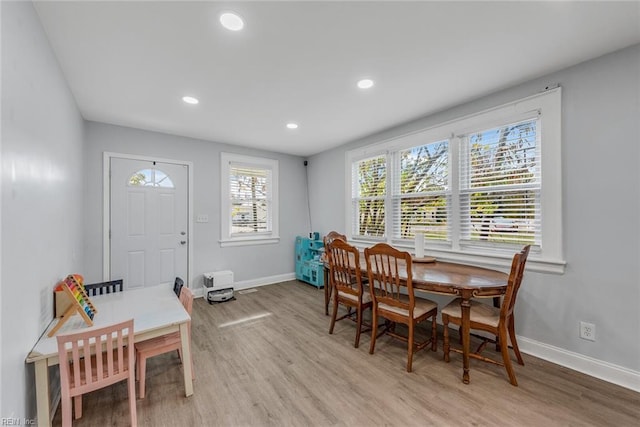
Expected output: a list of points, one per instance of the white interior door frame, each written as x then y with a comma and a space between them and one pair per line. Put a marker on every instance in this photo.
106, 197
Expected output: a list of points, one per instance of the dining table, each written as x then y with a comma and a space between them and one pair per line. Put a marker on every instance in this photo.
446, 278
155, 310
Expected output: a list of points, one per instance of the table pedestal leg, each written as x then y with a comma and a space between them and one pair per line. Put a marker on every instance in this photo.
42, 392
496, 304
326, 291
465, 306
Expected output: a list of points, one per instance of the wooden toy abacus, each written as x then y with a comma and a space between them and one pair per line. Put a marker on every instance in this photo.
80, 303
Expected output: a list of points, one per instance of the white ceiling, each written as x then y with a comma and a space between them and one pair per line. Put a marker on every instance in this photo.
130, 63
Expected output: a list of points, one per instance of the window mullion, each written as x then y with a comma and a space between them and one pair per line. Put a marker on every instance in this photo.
458, 154
393, 166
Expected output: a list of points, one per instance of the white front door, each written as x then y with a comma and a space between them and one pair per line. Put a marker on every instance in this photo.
148, 222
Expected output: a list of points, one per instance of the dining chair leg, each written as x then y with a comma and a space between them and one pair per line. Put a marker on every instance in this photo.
514, 343
374, 330
504, 349
445, 333
334, 315
410, 347
77, 403
434, 334
67, 411
132, 402
359, 314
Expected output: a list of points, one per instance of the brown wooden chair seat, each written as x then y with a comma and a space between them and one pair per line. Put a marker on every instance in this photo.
422, 307
346, 281
394, 299
496, 321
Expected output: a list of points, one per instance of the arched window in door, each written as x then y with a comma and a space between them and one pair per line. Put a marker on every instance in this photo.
150, 178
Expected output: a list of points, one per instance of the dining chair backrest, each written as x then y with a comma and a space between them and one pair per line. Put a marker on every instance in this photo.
344, 267
385, 266
93, 359
177, 286
186, 298
331, 236
102, 288
515, 280
76, 346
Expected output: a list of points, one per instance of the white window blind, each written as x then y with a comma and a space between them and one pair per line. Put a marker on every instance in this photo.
500, 184
369, 189
482, 185
421, 196
249, 199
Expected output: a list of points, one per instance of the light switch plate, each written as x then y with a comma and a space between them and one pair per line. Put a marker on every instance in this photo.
202, 218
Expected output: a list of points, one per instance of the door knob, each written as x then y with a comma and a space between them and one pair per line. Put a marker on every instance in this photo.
183, 242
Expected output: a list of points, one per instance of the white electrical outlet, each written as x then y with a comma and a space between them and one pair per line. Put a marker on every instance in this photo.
587, 331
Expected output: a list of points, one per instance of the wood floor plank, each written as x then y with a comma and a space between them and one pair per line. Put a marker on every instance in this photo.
266, 359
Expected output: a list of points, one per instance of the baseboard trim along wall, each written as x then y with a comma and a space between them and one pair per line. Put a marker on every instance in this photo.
587, 365
254, 283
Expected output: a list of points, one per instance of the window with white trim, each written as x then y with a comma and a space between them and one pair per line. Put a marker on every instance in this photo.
249, 200
482, 185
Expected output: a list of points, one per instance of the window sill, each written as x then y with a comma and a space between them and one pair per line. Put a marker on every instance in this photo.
249, 241
501, 261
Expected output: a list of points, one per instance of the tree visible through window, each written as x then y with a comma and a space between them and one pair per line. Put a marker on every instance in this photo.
421, 199
484, 184
249, 200
501, 185
371, 175
150, 178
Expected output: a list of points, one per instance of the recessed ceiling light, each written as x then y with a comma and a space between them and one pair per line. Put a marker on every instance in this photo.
190, 99
292, 125
231, 21
365, 83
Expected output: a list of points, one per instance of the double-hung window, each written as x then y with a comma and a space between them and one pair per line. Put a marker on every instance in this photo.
249, 200
477, 188
500, 185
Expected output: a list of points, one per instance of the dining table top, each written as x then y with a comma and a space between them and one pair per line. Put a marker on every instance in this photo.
451, 278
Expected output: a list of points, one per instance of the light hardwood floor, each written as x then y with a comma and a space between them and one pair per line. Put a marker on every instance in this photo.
266, 359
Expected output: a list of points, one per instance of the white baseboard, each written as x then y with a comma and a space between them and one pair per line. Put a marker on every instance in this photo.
246, 284
587, 365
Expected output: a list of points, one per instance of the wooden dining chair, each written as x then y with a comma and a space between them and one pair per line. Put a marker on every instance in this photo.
94, 359
346, 282
102, 288
162, 344
497, 321
326, 240
394, 299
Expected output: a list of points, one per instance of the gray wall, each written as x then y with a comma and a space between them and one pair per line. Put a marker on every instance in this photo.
600, 157
42, 175
249, 263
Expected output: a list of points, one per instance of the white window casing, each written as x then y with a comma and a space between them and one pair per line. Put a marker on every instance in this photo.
479, 187
249, 200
